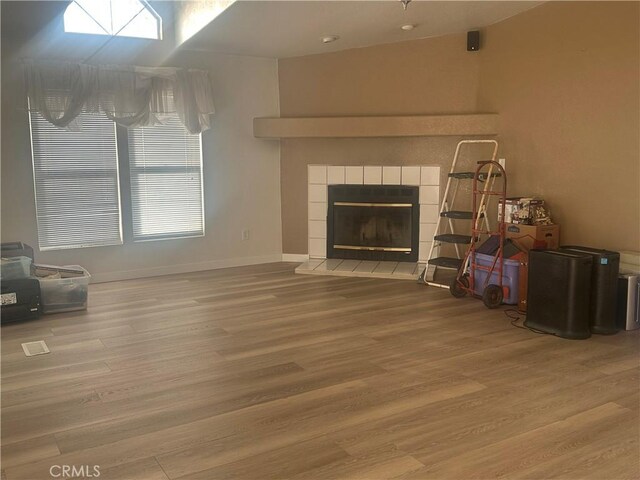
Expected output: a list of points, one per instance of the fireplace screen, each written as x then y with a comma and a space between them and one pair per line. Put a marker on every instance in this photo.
373, 222
372, 226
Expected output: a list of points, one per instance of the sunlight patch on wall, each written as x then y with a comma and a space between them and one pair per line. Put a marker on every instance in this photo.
191, 17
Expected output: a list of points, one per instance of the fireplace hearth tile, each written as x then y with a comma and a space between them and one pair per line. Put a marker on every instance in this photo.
361, 268
329, 265
354, 175
317, 193
423, 251
335, 175
410, 175
385, 267
317, 248
366, 266
391, 175
373, 175
430, 176
404, 268
427, 230
318, 211
348, 265
317, 174
429, 213
429, 195
311, 264
317, 228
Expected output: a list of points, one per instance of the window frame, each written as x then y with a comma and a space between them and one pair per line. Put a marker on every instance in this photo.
123, 138
124, 192
146, 6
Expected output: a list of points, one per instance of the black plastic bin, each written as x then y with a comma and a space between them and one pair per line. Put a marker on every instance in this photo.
604, 285
16, 249
559, 283
20, 300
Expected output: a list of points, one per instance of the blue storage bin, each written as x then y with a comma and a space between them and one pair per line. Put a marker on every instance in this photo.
510, 276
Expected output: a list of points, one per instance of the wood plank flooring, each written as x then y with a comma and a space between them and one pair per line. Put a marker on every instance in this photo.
258, 373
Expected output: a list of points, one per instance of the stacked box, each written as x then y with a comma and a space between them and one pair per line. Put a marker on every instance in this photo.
534, 236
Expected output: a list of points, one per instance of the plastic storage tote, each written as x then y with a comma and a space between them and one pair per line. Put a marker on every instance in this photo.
15, 267
65, 294
510, 276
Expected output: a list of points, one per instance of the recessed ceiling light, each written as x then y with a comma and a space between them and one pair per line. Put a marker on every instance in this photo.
330, 38
408, 27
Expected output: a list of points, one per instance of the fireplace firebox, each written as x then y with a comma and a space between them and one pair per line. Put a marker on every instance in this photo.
373, 222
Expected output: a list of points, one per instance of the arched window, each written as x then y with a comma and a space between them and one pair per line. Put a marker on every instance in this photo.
121, 18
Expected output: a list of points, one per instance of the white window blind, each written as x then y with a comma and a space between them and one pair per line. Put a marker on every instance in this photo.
76, 183
165, 162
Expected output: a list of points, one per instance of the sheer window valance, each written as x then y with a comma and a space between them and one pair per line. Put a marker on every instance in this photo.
129, 95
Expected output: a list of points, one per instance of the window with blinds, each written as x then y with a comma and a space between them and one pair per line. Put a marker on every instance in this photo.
76, 183
165, 164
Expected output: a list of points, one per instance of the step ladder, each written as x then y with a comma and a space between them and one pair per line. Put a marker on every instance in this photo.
444, 231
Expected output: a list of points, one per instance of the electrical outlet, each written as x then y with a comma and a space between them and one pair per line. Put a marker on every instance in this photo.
503, 162
245, 234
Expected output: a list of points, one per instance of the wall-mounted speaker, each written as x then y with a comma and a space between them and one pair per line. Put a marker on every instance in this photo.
473, 41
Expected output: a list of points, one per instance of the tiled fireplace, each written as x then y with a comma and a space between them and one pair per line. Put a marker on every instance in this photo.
373, 222
425, 178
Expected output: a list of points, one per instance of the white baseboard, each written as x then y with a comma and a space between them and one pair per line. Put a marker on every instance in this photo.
184, 268
295, 257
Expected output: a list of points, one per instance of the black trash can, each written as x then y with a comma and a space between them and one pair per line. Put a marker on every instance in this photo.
604, 286
558, 293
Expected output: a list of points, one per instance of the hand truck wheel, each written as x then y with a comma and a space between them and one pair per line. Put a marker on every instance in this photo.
492, 296
458, 287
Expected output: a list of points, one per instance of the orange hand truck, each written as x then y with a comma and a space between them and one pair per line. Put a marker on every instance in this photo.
468, 278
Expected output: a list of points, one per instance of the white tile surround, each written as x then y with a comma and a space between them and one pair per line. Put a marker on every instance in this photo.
320, 176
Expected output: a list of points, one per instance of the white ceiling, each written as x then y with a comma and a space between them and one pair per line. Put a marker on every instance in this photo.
294, 28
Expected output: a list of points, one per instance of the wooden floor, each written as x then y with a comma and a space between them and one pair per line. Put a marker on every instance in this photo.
258, 373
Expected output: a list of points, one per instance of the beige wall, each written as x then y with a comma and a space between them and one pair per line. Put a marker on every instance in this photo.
420, 77
241, 173
434, 75
563, 77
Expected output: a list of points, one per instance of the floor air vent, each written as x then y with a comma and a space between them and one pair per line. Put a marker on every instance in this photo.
35, 348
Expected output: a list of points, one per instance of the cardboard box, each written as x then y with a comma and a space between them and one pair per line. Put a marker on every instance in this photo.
534, 236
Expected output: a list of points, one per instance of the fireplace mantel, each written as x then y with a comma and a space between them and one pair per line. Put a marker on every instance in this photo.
391, 126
